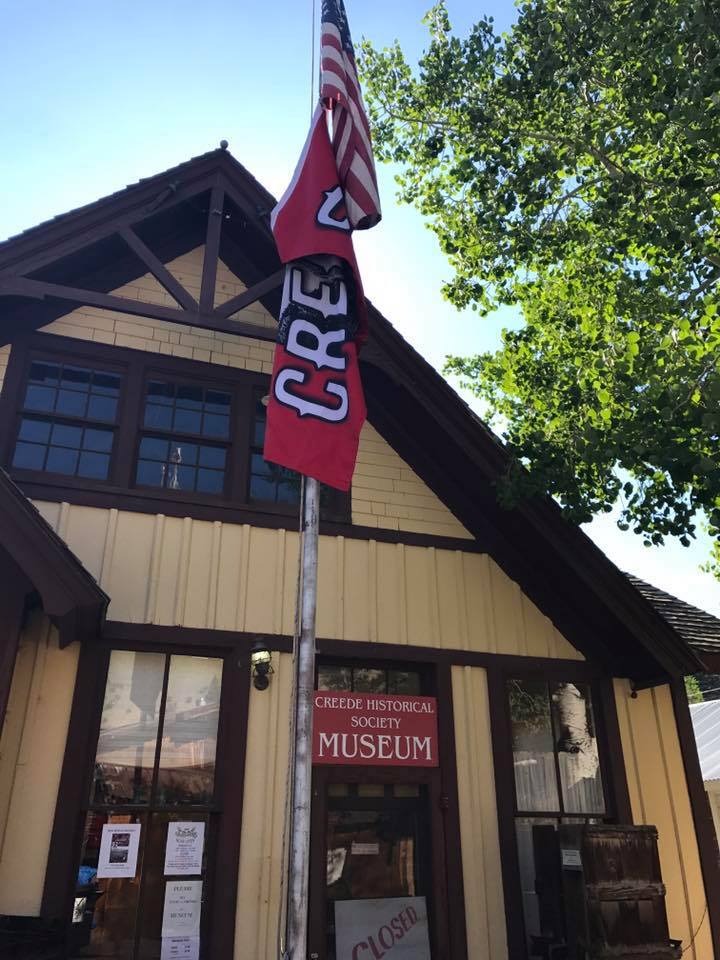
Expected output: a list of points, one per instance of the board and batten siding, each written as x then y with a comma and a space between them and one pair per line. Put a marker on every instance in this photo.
659, 796
32, 748
212, 575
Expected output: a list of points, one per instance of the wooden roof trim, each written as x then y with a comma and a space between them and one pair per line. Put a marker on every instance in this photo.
70, 596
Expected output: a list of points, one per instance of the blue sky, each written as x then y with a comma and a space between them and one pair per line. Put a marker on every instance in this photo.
98, 94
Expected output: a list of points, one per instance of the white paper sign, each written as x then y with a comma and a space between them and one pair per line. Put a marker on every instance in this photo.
184, 848
395, 928
358, 849
118, 850
187, 948
571, 859
181, 912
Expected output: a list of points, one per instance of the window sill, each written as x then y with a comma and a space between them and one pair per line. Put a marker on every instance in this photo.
170, 503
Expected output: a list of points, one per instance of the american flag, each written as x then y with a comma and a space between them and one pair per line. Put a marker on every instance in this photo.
339, 86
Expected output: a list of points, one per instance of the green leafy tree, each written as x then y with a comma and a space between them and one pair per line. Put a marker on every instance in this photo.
693, 691
572, 167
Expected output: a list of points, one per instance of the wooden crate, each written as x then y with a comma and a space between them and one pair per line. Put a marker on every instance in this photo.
614, 894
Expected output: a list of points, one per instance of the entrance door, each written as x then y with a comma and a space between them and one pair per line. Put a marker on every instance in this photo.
154, 769
377, 869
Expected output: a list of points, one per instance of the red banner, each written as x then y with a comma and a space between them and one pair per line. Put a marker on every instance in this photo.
375, 729
317, 408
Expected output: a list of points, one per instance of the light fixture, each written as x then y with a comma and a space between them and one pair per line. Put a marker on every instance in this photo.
261, 660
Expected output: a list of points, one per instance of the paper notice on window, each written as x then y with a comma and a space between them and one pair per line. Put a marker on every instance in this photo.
180, 948
118, 850
181, 912
184, 848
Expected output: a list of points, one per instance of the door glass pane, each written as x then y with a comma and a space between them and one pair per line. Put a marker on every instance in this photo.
189, 739
532, 738
154, 881
105, 910
128, 728
371, 853
576, 740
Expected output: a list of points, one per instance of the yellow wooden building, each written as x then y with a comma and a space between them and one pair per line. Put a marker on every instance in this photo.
147, 547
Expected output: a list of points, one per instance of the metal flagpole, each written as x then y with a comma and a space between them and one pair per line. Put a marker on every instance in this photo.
296, 922
299, 865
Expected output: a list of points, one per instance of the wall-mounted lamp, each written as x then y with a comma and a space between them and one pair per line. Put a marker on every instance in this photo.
261, 660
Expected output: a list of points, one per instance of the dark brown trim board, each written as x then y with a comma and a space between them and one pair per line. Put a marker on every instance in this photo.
66, 834
702, 817
14, 588
70, 596
451, 812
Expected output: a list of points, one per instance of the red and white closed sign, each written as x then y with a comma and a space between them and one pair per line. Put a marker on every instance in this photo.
375, 729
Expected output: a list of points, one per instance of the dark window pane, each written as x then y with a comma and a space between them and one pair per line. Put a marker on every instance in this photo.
181, 452
72, 403
334, 678
215, 425
47, 373
64, 436
289, 491
180, 478
40, 398
153, 448
533, 745
61, 460
402, 681
189, 396
106, 383
35, 430
262, 489
28, 456
260, 466
100, 440
102, 408
150, 473
94, 465
577, 748
187, 421
158, 392
259, 433
210, 481
212, 457
75, 378
158, 417
368, 680
216, 402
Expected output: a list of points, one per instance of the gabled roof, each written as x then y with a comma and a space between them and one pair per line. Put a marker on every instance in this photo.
590, 601
698, 627
706, 726
69, 595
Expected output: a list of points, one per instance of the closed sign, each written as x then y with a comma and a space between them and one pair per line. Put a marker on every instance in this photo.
394, 929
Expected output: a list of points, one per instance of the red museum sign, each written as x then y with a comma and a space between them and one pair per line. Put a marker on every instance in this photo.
374, 729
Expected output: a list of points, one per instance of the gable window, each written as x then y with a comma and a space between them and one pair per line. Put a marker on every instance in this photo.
69, 415
170, 435
177, 451
268, 481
